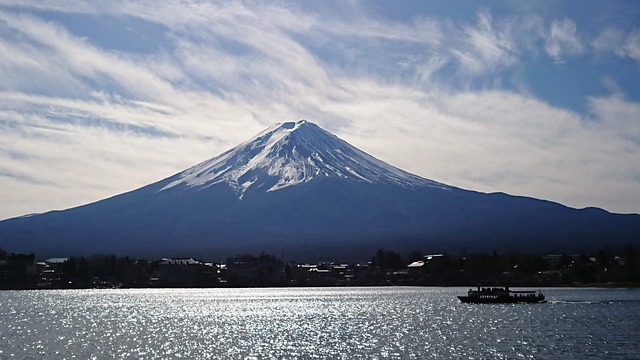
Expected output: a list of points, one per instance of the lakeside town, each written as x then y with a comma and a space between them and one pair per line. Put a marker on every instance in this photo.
602, 268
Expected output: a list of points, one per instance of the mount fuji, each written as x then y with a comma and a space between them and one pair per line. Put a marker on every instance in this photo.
297, 191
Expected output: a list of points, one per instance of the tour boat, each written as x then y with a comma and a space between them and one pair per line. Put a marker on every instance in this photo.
501, 295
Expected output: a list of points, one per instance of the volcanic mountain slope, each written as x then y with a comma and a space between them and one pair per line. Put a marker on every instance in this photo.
290, 154
298, 191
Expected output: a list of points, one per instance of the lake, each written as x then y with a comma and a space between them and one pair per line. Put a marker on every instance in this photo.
315, 323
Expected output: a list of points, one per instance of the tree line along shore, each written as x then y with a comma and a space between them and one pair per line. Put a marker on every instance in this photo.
605, 267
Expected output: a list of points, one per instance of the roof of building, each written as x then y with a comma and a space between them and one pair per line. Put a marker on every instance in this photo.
185, 261
56, 260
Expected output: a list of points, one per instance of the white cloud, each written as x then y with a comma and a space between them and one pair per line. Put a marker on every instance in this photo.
487, 48
617, 116
631, 46
623, 44
609, 40
79, 122
501, 141
562, 39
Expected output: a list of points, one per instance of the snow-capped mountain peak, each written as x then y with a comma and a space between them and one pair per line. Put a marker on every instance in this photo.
289, 154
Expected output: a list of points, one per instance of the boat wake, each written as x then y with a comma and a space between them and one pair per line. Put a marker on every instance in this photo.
602, 302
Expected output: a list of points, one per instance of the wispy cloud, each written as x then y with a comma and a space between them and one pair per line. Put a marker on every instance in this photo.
562, 40
631, 47
487, 48
80, 121
623, 44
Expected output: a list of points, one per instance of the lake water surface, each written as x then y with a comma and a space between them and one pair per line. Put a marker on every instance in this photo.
315, 323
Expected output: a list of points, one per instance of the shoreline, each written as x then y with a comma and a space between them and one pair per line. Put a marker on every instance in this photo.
567, 286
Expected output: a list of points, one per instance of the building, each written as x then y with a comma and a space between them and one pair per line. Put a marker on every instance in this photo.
185, 272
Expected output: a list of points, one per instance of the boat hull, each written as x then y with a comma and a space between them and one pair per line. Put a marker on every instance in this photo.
499, 300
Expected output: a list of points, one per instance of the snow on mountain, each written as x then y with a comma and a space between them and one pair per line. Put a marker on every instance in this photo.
338, 202
292, 153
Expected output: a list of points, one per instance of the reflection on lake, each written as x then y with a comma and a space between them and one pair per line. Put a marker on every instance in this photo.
321, 323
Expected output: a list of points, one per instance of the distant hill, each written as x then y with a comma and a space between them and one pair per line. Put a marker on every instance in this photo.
300, 192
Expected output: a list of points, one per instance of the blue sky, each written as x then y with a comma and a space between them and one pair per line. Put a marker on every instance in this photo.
535, 98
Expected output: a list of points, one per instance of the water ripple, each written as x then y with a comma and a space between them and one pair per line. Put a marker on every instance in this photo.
313, 323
